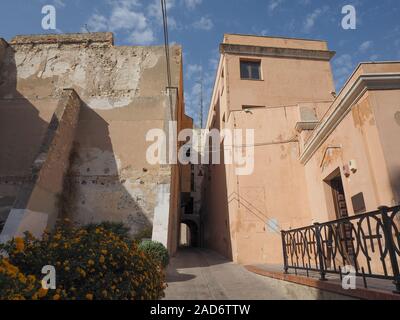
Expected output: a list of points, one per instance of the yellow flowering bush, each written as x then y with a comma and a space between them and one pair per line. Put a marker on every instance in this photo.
92, 263
14, 285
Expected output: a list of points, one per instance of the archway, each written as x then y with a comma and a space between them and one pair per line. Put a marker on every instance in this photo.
189, 234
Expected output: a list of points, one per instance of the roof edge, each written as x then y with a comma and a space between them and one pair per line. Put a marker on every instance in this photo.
65, 38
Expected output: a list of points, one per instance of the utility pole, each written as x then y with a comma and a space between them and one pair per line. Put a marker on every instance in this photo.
201, 100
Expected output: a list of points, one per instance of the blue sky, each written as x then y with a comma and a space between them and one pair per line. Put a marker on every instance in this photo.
199, 25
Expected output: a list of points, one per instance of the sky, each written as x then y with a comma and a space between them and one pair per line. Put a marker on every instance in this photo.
199, 25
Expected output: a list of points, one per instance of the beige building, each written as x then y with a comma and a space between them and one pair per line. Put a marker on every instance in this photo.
74, 113
319, 156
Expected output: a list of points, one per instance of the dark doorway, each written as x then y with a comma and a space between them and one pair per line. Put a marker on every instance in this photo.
344, 229
339, 197
189, 234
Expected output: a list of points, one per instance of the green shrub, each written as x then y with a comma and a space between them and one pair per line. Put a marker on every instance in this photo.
156, 250
91, 263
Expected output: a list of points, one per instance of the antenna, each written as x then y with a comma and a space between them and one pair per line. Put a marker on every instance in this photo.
201, 99
87, 28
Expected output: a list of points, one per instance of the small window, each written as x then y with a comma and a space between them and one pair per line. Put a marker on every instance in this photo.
250, 70
358, 203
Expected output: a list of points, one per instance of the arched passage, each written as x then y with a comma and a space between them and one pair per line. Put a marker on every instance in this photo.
189, 234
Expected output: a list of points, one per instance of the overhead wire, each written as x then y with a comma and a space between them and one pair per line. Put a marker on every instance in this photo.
167, 53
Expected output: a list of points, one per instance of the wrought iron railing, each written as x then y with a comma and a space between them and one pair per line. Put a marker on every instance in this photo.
369, 242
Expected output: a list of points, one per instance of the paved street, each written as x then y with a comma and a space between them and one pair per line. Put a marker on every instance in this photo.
200, 274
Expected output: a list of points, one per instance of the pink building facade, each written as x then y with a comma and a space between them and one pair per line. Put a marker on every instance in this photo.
318, 155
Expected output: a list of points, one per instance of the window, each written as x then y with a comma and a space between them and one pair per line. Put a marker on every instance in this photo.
250, 70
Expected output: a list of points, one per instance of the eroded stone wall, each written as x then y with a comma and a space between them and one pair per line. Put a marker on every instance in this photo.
37, 204
123, 93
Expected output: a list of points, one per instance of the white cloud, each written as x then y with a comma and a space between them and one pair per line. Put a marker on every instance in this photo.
124, 18
198, 72
374, 57
59, 3
312, 18
193, 70
125, 3
192, 100
143, 37
365, 46
213, 62
343, 66
97, 23
204, 23
192, 4
154, 12
131, 18
273, 4
265, 32
154, 8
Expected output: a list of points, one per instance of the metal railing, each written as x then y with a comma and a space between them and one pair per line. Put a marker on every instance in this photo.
369, 242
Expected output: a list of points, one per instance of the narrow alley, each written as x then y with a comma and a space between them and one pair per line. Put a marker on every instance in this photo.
199, 274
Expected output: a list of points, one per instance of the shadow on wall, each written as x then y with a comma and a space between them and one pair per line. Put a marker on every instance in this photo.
96, 191
396, 187
21, 133
217, 235
93, 189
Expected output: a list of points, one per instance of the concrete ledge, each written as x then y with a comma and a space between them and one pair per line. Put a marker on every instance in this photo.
306, 125
248, 50
69, 38
360, 293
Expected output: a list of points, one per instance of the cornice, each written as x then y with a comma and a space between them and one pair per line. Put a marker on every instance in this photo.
383, 81
248, 50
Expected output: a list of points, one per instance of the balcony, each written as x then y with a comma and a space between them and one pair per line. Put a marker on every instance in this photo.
368, 243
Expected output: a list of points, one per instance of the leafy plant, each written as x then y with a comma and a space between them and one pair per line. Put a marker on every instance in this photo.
156, 250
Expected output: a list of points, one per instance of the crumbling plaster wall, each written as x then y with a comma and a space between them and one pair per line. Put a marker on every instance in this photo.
123, 96
37, 204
